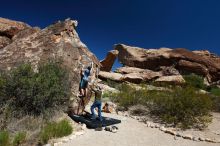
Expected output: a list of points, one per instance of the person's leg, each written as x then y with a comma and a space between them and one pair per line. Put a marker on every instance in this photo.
83, 86
99, 105
82, 91
85, 92
92, 109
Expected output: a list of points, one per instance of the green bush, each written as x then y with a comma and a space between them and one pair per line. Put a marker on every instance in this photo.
183, 107
35, 92
19, 138
3, 84
195, 81
215, 92
55, 130
126, 96
4, 138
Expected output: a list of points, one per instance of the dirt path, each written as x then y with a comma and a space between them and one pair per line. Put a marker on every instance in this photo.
131, 133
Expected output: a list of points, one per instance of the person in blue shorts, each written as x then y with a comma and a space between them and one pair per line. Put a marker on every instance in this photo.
84, 81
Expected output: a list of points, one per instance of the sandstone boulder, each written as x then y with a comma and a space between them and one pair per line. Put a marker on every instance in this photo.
108, 62
175, 79
192, 67
127, 70
153, 59
137, 75
4, 41
169, 70
59, 42
130, 74
111, 76
142, 58
141, 77
9, 28
133, 77
109, 107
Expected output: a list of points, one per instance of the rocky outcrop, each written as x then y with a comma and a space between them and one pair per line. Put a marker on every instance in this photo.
9, 28
111, 76
141, 58
137, 75
169, 70
59, 42
4, 41
127, 70
202, 63
175, 79
133, 77
192, 67
108, 62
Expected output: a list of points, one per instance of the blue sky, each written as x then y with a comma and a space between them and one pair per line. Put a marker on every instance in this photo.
191, 24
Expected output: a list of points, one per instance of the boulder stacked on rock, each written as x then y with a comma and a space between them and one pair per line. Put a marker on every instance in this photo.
108, 62
164, 64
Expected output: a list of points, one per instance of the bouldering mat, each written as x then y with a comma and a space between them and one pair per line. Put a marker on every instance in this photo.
95, 123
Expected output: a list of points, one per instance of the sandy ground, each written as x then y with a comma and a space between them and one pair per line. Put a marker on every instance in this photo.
131, 133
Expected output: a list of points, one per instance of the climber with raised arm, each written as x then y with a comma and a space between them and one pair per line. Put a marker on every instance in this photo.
84, 81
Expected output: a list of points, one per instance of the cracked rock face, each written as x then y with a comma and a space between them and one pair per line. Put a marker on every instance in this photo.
21, 43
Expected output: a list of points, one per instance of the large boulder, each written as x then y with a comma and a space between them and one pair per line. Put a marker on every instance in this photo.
110, 76
129, 74
142, 58
4, 41
59, 42
192, 67
127, 70
137, 75
108, 62
153, 59
133, 77
175, 79
168, 70
9, 28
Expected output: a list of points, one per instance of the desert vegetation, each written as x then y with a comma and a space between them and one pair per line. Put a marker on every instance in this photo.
33, 97
183, 106
55, 130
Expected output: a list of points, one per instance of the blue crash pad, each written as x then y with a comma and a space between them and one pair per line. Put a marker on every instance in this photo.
95, 123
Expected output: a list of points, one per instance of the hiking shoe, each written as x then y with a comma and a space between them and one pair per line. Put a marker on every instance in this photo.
114, 129
107, 128
98, 129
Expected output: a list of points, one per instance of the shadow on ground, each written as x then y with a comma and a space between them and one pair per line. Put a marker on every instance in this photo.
92, 124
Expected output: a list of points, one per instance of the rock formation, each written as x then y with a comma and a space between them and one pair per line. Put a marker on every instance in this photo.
21, 43
174, 79
8, 29
108, 62
180, 61
111, 76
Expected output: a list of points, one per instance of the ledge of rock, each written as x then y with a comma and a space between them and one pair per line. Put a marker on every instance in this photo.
175, 79
111, 76
108, 62
9, 28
